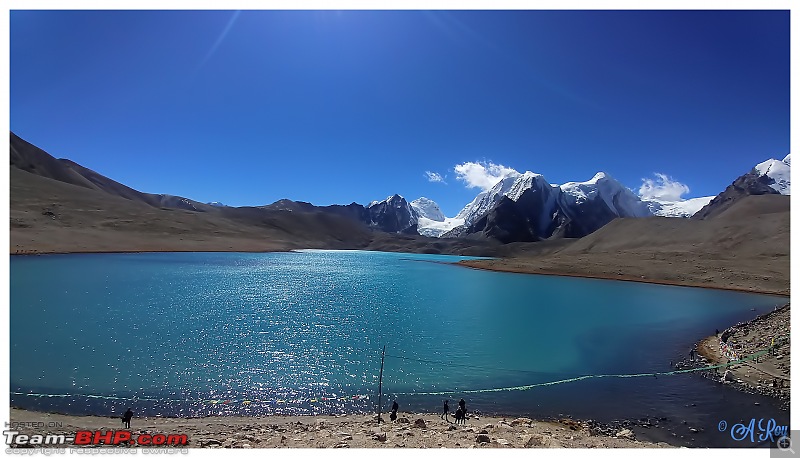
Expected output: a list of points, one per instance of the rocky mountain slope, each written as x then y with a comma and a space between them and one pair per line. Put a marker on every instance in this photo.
769, 177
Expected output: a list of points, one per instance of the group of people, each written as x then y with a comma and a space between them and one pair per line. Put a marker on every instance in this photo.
461, 412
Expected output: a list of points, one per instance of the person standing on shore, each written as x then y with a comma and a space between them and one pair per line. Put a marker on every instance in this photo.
126, 419
446, 411
463, 405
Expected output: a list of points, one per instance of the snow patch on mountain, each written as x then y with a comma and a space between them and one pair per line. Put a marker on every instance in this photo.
779, 172
431, 228
680, 209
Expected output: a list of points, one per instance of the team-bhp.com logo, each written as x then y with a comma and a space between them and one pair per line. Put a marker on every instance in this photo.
122, 437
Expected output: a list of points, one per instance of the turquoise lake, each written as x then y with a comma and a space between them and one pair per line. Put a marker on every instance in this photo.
191, 334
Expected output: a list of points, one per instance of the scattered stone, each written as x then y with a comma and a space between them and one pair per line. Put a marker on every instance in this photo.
403, 420
342, 445
521, 421
626, 434
482, 438
420, 423
503, 442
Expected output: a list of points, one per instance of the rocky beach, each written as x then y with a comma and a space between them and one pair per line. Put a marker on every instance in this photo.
768, 374
411, 430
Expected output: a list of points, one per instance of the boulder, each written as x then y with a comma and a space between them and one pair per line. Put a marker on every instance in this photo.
483, 439
420, 423
540, 440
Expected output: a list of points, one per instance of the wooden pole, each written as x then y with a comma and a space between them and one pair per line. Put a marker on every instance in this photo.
380, 386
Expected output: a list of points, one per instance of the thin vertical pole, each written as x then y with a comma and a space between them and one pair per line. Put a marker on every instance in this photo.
380, 386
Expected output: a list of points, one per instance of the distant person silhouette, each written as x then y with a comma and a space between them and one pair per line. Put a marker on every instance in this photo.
393, 415
126, 419
395, 407
463, 405
446, 410
460, 415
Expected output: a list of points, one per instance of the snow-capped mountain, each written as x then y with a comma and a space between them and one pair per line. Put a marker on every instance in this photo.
484, 201
619, 199
572, 209
394, 214
779, 172
769, 177
217, 204
427, 208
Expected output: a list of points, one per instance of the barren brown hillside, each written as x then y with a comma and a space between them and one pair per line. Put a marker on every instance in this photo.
746, 248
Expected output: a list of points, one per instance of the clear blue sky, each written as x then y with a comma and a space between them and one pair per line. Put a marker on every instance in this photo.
341, 106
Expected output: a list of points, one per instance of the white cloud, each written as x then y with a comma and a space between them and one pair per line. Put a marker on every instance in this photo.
482, 174
663, 188
434, 177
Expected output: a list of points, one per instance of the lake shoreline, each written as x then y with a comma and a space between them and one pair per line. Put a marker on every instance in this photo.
531, 270
471, 264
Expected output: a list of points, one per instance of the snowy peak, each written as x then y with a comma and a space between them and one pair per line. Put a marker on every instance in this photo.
769, 177
511, 186
619, 199
427, 208
395, 201
779, 172
394, 214
527, 180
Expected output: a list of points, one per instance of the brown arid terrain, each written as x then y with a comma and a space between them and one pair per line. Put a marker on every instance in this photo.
411, 430
745, 248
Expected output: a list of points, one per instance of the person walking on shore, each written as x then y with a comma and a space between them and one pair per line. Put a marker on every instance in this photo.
446, 411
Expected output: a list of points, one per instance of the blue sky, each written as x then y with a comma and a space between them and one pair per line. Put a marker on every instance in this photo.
340, 106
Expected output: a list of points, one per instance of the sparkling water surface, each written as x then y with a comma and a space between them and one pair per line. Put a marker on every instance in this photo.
191, 334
